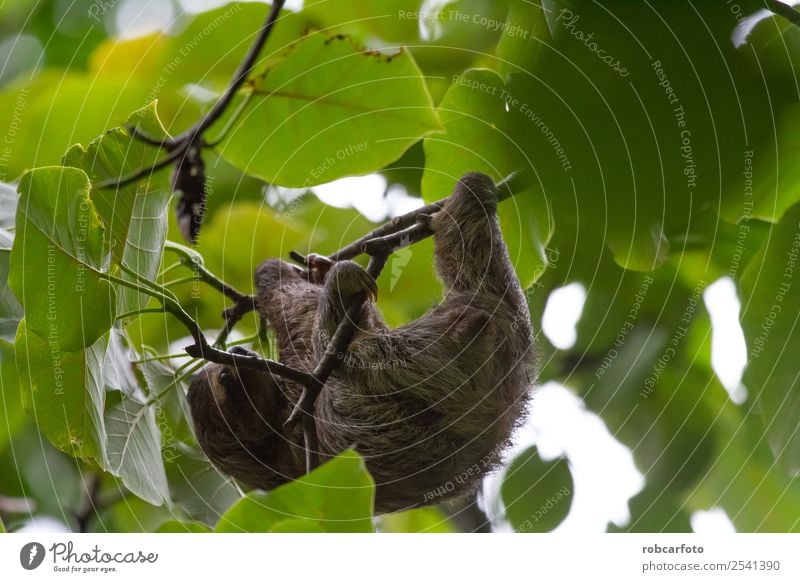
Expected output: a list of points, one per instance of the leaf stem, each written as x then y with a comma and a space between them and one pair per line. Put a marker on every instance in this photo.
194, 261
135, 312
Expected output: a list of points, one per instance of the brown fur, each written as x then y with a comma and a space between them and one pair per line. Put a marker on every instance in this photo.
429, 405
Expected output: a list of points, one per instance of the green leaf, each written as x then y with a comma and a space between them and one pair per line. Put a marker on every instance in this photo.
770, 294
389, 20
755, 492
655, 399
196, 486
422, 520
64, 393
521, 41
74, 107
135, 515
134, 216
134, 448
457, 35
634, 98
478, 139
348, 110
171, 406
206, 50
537, 495
28, 473
336, 497
175, 526
58, 259
654, 510
778, 174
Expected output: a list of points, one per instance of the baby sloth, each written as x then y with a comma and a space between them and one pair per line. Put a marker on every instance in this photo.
429, 405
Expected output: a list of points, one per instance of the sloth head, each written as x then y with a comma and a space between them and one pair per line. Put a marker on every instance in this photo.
238, 417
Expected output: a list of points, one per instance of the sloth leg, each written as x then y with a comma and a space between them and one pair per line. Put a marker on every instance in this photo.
344, 281
471, 256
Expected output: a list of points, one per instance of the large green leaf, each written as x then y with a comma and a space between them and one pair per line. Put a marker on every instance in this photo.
686, 130
537, 495
770, 316
134, 216
58, 259
347, 110
134, 448
206, 50
336, 497
57, 109
64, 392
521, 41
478, 125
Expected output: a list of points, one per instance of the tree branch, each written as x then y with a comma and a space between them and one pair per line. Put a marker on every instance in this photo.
244, 70
193, 137
513, 184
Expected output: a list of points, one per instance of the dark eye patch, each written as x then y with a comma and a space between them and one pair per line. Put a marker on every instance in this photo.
227, 378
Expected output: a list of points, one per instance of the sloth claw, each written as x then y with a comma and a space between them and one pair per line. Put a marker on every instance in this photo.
351, 279
318, 267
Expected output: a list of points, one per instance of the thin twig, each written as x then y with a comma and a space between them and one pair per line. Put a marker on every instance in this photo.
202, 349
233, 314
396, 224
245, 67
194, 261
513, 184
114, 183
212, 354
170, 304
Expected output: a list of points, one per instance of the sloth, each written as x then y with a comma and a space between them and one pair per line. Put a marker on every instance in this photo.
430, 405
